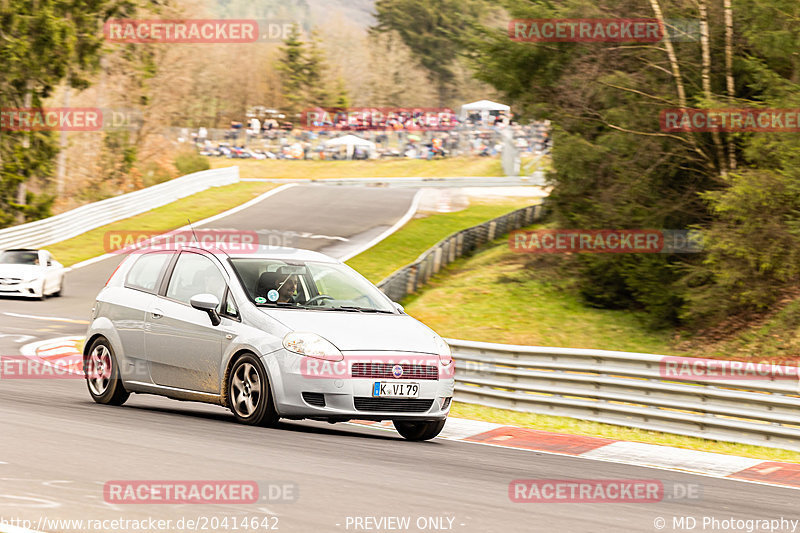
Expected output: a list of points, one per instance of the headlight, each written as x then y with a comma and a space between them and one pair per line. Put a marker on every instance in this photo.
312, 345
443, 350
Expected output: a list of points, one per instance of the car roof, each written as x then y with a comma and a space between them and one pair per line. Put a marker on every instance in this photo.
261, 252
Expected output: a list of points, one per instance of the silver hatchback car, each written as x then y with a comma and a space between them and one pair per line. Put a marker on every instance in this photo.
271, 333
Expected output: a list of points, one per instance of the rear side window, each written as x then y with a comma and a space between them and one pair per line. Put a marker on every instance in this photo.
145, 272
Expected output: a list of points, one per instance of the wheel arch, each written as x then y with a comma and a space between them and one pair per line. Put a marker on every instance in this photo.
232, 361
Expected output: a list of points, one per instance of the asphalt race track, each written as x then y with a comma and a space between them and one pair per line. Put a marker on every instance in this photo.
58, 448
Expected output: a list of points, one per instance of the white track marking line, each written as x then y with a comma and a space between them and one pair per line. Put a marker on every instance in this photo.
229, 212
48, 318
399, 224
716, 472
678, 458
20, 338
631, 463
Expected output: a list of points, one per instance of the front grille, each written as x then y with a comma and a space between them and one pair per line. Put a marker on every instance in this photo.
317, 399
399, 405
10, 281
385, 371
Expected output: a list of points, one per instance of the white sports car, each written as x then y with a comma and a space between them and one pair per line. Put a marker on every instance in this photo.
31, 273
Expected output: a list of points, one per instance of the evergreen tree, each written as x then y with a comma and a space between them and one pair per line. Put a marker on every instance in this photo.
45, 42
292, 66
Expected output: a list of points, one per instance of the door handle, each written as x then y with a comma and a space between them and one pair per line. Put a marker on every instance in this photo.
157, 313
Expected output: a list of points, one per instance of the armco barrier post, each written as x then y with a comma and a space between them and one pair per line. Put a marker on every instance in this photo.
455, 246
437, 260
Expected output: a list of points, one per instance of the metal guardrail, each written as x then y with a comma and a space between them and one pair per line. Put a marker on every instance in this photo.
82, 219
408, 279
628, 389
619, 388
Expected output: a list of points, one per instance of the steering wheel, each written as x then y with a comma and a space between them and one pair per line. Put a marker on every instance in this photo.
319, 298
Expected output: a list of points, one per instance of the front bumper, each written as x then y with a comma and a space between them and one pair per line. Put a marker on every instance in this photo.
298, 393
23, 288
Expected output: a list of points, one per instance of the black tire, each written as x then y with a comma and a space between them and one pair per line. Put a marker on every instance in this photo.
417, 431
103, 381
248, 393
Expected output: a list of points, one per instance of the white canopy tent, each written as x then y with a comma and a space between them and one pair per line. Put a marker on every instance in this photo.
484, 107
351, 142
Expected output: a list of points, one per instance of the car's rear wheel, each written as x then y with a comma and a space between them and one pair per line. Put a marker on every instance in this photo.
102, 374
249, 397
418, 430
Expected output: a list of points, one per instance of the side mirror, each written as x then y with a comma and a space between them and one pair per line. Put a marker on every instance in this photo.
209, 304
399, 307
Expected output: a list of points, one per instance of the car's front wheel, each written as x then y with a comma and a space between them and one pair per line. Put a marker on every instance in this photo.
418, 430
248, 392
102, 374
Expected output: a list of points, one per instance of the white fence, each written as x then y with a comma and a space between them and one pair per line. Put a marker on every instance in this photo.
91, 216
631, 389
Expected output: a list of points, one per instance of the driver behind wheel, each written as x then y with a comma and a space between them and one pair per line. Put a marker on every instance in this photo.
286, 289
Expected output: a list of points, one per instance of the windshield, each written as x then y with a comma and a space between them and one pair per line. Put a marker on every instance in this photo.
309, 285
19, 257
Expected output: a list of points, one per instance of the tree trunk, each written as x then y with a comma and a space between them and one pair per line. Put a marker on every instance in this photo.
676, 71
706, 76
22, 189
673, 59
729, 74
62, 149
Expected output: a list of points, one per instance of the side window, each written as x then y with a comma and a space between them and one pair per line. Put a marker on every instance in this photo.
229, 306
145, 272
195, 274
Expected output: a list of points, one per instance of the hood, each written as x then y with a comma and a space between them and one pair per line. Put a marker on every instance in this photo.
10, 270
360, 331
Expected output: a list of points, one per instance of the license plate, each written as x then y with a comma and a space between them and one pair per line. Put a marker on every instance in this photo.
383, 389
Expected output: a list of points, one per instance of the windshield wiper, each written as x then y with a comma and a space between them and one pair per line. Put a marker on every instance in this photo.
359, 309
277, 304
